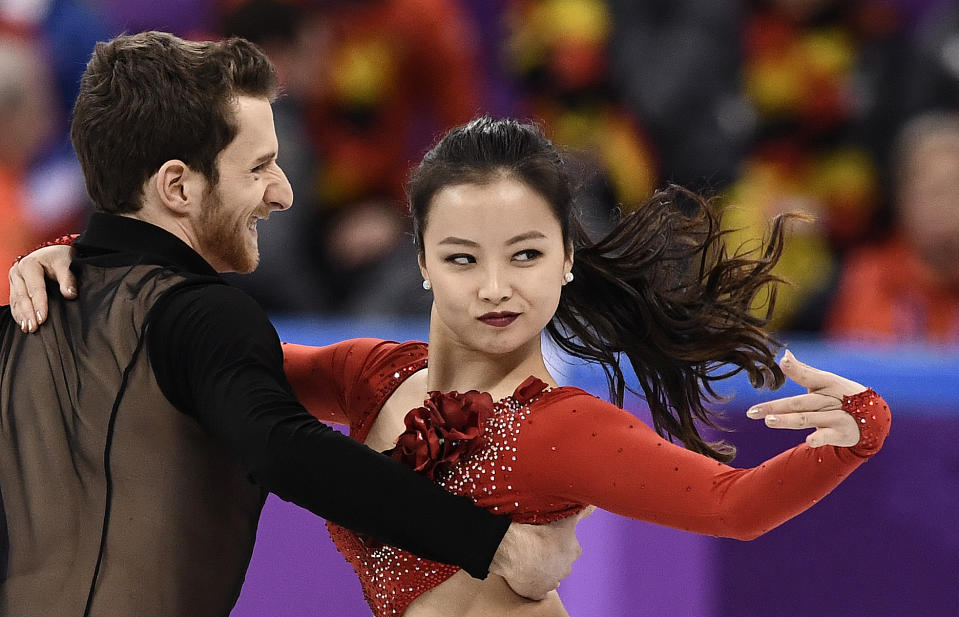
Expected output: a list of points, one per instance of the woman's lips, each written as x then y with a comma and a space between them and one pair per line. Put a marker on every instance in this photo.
499, 320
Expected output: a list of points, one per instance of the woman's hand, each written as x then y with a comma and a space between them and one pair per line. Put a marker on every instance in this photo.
28, 290
820, 409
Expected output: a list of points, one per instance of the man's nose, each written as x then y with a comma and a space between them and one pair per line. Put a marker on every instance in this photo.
279, 193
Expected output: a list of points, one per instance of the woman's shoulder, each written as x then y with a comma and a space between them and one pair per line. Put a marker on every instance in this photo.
575, 400
395, 353
373, 353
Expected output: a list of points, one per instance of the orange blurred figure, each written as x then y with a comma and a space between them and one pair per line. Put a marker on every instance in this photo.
907, 288
25, 124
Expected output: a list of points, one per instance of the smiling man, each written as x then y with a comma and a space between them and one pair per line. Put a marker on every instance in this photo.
143, 425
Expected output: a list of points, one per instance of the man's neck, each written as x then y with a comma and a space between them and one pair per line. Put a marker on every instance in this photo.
151, 214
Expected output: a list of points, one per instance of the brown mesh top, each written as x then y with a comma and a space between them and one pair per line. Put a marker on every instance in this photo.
115, 502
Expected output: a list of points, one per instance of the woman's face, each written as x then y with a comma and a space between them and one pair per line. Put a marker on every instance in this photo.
495, 256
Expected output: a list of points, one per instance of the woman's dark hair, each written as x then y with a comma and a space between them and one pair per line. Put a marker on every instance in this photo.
151, 97
660, 287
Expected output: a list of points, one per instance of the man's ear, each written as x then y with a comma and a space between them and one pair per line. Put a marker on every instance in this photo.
179, 188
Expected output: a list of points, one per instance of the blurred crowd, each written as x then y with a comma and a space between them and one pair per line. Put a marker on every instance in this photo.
844, 109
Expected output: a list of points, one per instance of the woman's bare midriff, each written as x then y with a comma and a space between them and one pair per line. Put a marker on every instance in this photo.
464, 596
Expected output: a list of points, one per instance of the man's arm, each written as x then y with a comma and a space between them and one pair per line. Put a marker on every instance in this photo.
217, 358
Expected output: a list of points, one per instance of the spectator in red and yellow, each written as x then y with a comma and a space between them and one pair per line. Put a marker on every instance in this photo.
815, 75
557, 52
906, 288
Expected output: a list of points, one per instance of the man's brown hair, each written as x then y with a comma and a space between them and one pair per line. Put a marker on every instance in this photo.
151, 97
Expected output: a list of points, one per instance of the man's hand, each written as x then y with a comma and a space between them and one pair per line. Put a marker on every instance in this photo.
28, 290
535, 558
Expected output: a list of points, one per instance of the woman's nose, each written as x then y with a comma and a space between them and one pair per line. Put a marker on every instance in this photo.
495, 286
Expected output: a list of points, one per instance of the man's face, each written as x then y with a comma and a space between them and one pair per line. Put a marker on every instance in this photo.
251, 186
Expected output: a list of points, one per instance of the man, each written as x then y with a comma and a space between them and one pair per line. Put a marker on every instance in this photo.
132, 424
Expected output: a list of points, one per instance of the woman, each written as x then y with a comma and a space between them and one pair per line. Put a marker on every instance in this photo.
505, 258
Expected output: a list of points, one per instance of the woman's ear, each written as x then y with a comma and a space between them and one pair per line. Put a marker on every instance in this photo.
178, 187
421, 260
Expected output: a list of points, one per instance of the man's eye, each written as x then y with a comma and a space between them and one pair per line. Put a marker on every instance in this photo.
527, 255
461, 260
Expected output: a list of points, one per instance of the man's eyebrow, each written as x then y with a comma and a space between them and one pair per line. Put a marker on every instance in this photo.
269, 156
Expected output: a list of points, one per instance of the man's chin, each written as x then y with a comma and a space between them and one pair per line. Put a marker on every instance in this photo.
248, 265
249, 269
238, 264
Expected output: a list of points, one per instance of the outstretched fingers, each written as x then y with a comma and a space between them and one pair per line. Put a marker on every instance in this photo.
805, 375
833, 425
799, 404
820, 408
807, 419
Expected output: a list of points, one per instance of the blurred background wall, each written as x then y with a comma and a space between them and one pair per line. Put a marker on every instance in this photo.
847, 110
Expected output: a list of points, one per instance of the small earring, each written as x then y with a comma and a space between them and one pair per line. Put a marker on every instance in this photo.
427, 285
568, 277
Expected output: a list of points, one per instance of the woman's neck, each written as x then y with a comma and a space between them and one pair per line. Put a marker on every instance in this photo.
452, 366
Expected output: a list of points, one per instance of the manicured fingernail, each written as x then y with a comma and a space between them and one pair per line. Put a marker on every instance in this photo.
72, 291
30, 325
39, 318
23, 325
772, 420
753, 412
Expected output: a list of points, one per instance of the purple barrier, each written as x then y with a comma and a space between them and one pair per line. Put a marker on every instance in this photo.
885, 543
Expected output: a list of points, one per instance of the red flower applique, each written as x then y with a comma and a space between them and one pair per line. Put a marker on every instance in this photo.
444, 430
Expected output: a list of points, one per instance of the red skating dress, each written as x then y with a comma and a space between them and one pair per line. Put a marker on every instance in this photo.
543, 454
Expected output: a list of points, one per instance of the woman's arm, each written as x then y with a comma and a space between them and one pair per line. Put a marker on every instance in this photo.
589, 451
323, 378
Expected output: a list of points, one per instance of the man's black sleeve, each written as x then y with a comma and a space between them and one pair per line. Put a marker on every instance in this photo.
217, 358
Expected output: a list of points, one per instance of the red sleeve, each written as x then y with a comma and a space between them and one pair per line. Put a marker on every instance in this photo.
65, 240
589, 451
324, 378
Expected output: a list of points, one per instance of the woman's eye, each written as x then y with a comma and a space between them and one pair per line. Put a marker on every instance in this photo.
461, 260
527, 255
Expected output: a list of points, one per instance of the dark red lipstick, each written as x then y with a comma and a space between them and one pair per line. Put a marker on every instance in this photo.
500, 320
